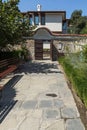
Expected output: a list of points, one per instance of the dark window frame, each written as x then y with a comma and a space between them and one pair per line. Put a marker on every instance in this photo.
42, 19
30, 20
36, 19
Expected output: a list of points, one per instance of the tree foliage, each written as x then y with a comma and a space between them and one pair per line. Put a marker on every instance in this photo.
78, 23
13, 25
84, 52
26, 29
9, 24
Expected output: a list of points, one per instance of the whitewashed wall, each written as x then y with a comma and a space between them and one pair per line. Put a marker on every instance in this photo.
54, 22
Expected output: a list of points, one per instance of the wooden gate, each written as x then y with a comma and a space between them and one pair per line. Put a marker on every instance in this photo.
38, 50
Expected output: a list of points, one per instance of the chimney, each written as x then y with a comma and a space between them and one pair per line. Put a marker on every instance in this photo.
38, 7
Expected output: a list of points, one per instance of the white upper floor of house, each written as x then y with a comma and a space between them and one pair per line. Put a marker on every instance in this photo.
55, 21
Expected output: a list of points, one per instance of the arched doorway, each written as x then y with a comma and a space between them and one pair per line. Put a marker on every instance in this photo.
46, 49
43, 44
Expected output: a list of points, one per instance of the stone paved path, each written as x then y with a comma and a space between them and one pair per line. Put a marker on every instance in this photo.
42, 99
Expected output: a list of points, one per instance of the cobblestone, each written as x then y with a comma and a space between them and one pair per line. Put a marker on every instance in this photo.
74, 124
34, 110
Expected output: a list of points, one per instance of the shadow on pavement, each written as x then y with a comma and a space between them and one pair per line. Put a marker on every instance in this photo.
39, 67
7, 102
5, 109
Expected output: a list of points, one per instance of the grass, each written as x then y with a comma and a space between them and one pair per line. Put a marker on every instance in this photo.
77, 74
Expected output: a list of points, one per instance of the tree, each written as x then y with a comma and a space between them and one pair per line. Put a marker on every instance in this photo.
26, 29
75, 16
84, 52
9, 24
77, 22
13, 25
84, 30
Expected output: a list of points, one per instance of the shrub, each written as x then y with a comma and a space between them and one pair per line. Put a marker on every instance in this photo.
77, 74
85, 52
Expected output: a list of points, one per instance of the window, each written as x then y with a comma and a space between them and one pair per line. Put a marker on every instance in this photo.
30, 20
42, 19
64, 25
36, 19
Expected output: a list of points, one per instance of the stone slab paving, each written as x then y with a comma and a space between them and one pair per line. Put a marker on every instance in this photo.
44, 101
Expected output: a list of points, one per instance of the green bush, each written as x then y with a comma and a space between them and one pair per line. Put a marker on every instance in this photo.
84, 52
23, 54
77, 74
8, 54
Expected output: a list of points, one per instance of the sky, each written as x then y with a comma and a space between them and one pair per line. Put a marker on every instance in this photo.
65, 5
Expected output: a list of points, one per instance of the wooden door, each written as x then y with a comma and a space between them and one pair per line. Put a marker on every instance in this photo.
38, 50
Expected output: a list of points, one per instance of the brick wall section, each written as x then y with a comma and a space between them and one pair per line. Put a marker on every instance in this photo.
30, 47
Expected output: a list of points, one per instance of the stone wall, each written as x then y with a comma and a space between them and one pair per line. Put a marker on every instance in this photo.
64, 46
67, 46
30, 47
59, 47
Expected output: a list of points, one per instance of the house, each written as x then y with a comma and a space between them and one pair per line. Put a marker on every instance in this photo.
55, 21
50, 34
